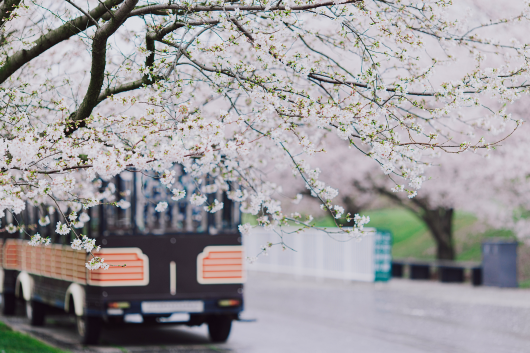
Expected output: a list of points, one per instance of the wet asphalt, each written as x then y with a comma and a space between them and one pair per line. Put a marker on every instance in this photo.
301, 315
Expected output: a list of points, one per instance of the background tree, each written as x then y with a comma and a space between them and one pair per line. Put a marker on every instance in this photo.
493, 185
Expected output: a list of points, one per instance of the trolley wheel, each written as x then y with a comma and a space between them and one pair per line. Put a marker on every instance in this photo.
9, 304
89, 328
219, 328
36, 312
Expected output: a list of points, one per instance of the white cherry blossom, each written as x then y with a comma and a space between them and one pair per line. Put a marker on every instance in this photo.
124, 204
11, 228
44, 221
197, 199
62, 228
84, 217
178, 194
161, 206
236, 96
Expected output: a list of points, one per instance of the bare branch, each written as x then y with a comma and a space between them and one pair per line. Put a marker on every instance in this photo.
201, 8
150, 39
84, 13
52, 38
99, 50
323, 78
126, 87
6, 8
242, 29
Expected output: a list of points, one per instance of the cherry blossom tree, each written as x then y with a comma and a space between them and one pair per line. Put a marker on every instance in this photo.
493, 185
229, 89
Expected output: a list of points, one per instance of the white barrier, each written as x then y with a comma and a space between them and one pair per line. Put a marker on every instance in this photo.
316, 254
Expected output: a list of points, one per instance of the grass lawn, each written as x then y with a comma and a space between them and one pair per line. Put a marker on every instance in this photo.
16, 342
411, 238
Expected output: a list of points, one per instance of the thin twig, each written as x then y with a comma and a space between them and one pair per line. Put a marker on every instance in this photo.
84, 13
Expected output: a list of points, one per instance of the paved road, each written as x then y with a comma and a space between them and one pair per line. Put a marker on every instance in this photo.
304, 316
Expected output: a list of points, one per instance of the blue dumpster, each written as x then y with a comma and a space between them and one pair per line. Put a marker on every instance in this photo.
499, 263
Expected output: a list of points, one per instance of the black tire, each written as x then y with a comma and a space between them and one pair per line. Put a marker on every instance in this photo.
36, 312
9, 304
89, 329
219, 328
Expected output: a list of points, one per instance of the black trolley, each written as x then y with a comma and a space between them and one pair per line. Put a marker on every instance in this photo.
182, 265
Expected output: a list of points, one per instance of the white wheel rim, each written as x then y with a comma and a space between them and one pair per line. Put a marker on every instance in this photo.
80, 326
29, 310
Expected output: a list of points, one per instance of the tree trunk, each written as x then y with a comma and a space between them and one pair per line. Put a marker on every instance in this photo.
351, 205
439, 220
440, 223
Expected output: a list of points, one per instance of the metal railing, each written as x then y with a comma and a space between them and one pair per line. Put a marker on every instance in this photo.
321, 255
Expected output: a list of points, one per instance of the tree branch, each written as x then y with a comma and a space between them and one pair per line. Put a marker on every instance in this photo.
242, 29
52, 38
99, 51
129, 86
322, 78
201, 8
6, 8
84, 13
149, 61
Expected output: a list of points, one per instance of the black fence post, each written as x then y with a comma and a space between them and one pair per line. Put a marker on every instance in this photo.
397, 269
451, 274
476, 276
420, 271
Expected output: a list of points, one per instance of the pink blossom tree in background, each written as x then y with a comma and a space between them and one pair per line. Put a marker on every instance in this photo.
492, 187
491, 184
236, 89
